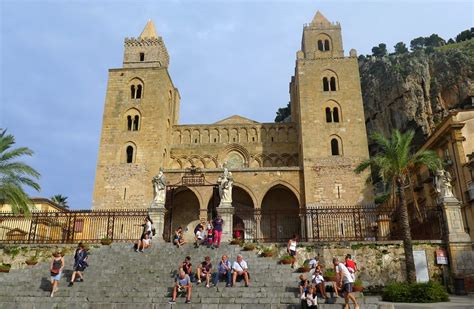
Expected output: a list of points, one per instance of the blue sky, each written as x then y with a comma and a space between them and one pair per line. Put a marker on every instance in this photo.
54, 57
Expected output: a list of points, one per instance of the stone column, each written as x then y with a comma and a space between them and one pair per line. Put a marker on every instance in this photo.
461, 256
226, 211
157, 214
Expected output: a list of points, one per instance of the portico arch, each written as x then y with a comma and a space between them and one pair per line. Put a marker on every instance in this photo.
244, 221
185, 212
280, 214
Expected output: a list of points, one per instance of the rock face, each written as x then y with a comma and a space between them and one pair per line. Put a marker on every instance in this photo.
416, 90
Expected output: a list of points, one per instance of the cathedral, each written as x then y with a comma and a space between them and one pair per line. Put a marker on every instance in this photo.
305, 162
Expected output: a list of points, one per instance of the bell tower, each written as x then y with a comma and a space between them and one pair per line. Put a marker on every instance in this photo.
141, 107
327, 106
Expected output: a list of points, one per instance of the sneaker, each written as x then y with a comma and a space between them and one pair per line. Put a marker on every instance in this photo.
141, 251
136, 250
227, 285
207, 286
172, 302
70, 284
187, 302
199, 281
80, 280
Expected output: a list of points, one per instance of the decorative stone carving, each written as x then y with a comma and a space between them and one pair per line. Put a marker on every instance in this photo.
225, 182
442, 182
159, 188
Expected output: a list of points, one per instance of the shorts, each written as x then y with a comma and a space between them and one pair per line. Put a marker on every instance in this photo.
292, 252
56, 277
347, 287
79, 268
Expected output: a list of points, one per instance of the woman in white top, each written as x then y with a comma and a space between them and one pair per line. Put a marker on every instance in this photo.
291, 248
311, 298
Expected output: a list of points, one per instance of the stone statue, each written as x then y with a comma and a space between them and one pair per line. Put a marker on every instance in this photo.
159, 187
442, 182
225, 182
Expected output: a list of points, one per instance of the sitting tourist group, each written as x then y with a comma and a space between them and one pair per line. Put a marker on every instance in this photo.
226, 271
315, 285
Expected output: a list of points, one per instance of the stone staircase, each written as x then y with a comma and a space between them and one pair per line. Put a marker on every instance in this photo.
119, 277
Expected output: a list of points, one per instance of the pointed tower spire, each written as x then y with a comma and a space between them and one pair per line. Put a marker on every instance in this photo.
149, 31
320, 19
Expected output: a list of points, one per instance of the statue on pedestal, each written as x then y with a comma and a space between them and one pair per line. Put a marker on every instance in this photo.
159, 188
442, 182
225, 182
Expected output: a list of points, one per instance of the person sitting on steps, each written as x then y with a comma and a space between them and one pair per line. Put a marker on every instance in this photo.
182, 285
224, 270
143, 243
188, 267
204, 271
178, 237
319, 283
199, 237
240, 270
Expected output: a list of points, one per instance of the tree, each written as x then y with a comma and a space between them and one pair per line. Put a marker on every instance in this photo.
418, 43
394, 164
400, 48
60, 200
465, 35
451, 41
14, 175
379, 51
434, 40
283, 113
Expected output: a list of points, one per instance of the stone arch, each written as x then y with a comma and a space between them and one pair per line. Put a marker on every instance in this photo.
239, 150
335, 145
205, 136
282, 183
243, 135
332, 111
177, 137
329, 80
196, 137
186, 209
292, 160
272, 135
137, 88
196, 161
209, 161
133, 119
253, 136
176, 163
244, 220
224, 134
282, 134
324, 42
280, 213
255, 161
266, 161
292, 135
186, 136
129, 153
214, 136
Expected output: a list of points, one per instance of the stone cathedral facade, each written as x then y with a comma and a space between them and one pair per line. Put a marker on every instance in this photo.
304, 162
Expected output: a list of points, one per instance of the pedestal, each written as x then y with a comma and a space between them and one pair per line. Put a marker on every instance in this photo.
461, 256
226, 211
157, 214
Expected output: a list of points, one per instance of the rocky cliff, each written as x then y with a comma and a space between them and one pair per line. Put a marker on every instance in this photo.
416, 90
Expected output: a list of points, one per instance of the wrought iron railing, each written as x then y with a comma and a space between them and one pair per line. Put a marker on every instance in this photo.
328, 224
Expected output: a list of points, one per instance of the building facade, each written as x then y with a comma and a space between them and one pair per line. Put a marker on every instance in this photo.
305, 162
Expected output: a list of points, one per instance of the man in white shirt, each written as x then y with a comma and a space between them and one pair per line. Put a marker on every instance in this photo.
240, 269
345, 277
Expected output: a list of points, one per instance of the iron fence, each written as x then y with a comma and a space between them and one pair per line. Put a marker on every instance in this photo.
69, 227
328, 224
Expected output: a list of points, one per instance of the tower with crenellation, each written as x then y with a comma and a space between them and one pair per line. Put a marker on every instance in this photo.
141, 106
326, 104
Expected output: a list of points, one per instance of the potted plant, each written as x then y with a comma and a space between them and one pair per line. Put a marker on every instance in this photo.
267, 252
287, 259
5, 268
106, 241
358, 286
32, 260
236, 241
330, 275
305, 268
249, 247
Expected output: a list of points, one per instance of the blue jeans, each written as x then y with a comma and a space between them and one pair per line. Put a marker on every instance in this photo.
218, 276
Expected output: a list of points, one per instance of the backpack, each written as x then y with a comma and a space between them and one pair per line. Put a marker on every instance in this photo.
153, 230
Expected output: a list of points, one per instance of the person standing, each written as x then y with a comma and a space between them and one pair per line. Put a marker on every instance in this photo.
345, 277
210, 234
56, 269
351, 265
218, 223
80, 264
291, 249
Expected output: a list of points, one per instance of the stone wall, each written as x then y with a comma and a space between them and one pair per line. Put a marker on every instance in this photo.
378, 262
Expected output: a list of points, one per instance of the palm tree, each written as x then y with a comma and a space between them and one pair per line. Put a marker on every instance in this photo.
14, 174
60, 200
394, 164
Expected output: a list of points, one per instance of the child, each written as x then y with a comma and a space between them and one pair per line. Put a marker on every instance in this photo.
198, 237
210, 234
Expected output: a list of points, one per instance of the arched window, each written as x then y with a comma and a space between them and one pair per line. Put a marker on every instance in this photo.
132, 91
335, 147
333, 83
135, 122
139, 92
335, 114
325, 84
326, 45
320, 45
129, 123
328, 114
129, 154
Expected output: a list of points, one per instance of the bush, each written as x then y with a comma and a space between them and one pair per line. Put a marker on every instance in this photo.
430, 292
287, 259
267, 252
249, 247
